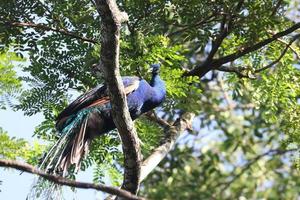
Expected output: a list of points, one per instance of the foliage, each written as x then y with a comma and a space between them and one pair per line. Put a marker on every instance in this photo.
9, 83
244, 138
211, 175
149, 134
13, 148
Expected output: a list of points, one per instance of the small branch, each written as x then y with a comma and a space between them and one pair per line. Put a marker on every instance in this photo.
63, 181
239, 71
276, 7
201, 22
47, 28
171, 135
111, 19
280, 57
225, 28
152, 116
224, 31
291, 48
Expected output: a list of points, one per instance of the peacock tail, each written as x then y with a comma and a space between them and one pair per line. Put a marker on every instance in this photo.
72, 144
67, 151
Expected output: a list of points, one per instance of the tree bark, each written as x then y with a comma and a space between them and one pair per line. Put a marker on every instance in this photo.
171, 135
111, 19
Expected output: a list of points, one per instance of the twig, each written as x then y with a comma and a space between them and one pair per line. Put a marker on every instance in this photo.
276, 7
47, 28
237, 70
291, 48
208, 19
67, 182
280, 57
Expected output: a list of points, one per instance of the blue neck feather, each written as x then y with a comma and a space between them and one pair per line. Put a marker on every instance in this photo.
159, 87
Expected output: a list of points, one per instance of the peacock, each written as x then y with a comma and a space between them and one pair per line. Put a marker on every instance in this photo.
90, 116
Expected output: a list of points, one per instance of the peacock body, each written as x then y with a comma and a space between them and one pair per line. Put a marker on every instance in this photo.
90, 116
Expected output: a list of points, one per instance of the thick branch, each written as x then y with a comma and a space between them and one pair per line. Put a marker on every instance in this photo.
47, 28
63, 181
111, 19
171, 135
201, 70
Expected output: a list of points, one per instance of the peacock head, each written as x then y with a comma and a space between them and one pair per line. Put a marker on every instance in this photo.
155, 68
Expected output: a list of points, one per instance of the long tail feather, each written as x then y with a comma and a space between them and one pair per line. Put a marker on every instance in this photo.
68, 150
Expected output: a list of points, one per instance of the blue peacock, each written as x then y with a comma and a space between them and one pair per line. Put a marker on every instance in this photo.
90, 116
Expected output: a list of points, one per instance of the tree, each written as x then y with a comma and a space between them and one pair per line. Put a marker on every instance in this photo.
232, 63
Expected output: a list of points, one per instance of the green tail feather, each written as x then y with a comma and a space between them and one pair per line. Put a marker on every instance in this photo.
43, 189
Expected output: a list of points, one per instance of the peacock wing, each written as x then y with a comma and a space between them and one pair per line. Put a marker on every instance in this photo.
97, 96
130, 85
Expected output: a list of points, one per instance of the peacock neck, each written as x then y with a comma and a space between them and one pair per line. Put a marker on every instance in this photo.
156, 80
159, 87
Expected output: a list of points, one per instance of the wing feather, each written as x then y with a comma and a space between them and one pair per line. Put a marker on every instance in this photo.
95, 97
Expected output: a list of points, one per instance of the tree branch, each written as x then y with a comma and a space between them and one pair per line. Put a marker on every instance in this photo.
167, 143
67, 182
225, 28
276, 7
201, 70
111, 19
47, 28
291, 47
239, 70
152, 116
255, 47
208, 19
